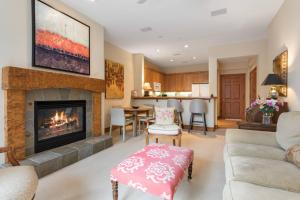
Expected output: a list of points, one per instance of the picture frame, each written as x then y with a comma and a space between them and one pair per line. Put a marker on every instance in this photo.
114, 80
59, 41
280, 67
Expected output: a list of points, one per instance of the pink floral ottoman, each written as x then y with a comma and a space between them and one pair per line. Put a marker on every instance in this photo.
156, 169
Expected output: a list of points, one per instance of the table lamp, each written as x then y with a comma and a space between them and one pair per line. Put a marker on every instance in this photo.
273, 80
147, 87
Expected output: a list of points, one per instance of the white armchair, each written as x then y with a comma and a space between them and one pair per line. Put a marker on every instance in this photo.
17, 182
118, 118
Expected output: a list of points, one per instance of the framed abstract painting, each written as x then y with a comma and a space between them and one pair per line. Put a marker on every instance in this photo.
60, 41
114, 80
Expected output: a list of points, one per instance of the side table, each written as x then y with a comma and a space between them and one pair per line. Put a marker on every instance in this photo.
257, 126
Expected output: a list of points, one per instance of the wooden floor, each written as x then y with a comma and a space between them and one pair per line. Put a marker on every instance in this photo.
225, 123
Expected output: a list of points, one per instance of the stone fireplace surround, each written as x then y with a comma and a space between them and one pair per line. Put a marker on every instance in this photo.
22, 86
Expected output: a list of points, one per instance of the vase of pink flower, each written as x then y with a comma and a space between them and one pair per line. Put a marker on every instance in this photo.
268, 107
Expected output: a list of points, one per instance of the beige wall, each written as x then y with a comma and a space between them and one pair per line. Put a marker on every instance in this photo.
121, 56
186, 68
284, 34
16, 42
253, 48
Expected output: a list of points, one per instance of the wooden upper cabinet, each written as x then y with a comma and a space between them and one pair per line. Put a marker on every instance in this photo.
181, 82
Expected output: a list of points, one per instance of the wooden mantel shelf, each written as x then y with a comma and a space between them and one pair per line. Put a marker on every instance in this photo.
16, 81
14, 78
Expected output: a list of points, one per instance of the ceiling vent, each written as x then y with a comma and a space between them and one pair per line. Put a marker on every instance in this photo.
222, 11
146, 29
141, 1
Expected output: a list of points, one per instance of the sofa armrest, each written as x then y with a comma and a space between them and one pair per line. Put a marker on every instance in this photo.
251, 137
10, 155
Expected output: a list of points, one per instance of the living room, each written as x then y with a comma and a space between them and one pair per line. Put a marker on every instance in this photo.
93, 92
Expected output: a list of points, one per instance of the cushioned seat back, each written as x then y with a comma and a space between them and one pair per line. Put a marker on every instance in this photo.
288, 129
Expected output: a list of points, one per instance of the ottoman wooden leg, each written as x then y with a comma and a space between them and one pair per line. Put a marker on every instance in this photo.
156, 140
190, 171
114, 189
174, 142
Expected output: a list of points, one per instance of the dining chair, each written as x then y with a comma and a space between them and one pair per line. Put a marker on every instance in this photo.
147, 119
118, 118
178, 110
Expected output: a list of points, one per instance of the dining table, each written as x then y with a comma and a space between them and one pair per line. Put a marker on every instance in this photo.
135, 111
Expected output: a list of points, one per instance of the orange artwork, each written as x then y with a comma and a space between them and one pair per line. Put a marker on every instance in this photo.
114, 79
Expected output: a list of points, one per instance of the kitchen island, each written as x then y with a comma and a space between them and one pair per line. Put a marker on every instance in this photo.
162, 102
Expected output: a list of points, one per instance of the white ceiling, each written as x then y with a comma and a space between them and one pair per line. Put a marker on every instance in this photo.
175, 23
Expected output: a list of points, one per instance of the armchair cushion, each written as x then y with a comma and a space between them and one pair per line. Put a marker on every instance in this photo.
18, 183
172, 129
164, 116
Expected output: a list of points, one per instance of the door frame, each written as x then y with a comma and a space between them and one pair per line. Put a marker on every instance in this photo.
243, 103
250, 85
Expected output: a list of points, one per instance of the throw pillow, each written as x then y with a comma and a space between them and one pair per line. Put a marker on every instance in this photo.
288, 129
164, 116
293, 155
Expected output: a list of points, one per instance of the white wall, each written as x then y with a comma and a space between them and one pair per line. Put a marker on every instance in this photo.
16, 42
284, 34
121, 56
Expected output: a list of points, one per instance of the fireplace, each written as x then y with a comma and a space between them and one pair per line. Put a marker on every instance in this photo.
58, 123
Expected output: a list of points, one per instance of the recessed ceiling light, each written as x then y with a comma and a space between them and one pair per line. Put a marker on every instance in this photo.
92, 0
146, 29
222, 11
194, 58
157, 50
186, 46
172, 60
141, 1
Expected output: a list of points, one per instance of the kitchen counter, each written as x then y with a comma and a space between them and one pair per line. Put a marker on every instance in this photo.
185, 101
179, 98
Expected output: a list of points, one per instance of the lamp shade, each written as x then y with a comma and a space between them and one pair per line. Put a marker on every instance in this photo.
273, 79
147, 87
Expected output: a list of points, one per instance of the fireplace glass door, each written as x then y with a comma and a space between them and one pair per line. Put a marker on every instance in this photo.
58, 123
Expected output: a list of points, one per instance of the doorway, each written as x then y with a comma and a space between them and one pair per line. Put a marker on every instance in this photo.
232, 99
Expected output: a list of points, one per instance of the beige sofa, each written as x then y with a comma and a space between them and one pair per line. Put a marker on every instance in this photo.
255, 162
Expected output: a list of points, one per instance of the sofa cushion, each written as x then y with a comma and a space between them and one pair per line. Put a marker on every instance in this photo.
264, 172
236, 190
288, 129
18, 183
253, 150
251, 137
293, 155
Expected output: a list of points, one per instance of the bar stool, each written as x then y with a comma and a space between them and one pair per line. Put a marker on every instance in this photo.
198, 108
178, 109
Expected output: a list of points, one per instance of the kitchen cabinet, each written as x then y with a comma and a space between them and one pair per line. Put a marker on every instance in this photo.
180, 82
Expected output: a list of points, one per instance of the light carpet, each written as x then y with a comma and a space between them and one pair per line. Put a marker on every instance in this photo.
89, 179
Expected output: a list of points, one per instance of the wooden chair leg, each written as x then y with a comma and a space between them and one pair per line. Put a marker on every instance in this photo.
174, 142
179, 140
115, 190
147, 138
190, 171
191, 123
